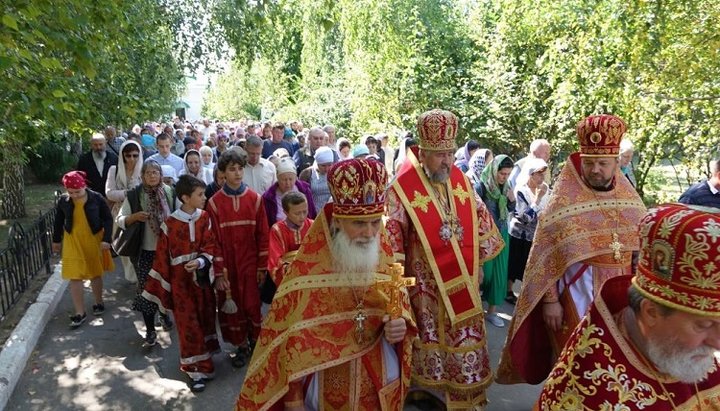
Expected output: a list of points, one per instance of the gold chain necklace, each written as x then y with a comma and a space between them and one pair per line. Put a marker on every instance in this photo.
360, 316
615, 245
450, 222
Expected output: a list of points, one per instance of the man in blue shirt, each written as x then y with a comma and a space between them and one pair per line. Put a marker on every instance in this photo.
164, 156
276, 141
707, 192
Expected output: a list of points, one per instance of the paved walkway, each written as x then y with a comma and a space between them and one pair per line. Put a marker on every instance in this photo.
103, 366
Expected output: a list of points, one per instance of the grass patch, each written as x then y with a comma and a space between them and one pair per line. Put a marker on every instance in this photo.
39, 198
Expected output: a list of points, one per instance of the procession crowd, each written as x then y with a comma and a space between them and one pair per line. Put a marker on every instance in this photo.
382, 265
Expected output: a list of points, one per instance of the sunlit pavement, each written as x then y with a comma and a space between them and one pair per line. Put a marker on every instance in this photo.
103, 366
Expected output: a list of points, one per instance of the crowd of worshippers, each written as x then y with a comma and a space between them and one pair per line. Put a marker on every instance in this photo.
376, 264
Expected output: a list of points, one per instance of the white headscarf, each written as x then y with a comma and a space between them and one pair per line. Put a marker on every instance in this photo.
531, 166
121, 178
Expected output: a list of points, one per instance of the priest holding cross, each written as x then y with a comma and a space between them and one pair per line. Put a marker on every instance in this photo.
339, 332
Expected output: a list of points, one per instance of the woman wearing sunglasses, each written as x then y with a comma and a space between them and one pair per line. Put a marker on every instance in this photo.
122, 178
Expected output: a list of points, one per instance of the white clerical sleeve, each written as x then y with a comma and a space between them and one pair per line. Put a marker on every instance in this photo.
581, 290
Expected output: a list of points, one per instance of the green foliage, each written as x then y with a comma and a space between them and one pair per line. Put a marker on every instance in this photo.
513, 70
50, 160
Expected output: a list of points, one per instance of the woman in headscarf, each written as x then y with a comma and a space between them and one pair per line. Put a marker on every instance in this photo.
477, 163
122, 178
344, 148
316, 176
497, 195
149, 204
206, 153
193, 167
532, 195
464, 154
406, 144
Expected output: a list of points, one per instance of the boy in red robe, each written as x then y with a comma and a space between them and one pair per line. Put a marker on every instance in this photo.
179, 281
286, 235
240, 225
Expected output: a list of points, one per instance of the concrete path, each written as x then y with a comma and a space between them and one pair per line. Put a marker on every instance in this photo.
103, 366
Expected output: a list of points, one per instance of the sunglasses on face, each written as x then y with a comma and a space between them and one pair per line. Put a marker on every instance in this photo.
131, 155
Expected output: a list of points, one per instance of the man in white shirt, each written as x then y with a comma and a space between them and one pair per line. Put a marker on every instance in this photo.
259, 172
164, 157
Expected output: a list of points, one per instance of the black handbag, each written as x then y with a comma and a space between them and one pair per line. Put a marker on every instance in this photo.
128, 242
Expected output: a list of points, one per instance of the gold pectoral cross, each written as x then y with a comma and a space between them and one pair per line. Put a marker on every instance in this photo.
393, 289
616, 246
359, 319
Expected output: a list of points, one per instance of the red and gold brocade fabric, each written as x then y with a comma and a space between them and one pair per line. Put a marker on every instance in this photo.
577, 226
311, 328
600, 369
447, 357
284, 242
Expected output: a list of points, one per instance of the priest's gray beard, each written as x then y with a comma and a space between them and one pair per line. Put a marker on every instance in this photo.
670, 358
355, 257
439, 176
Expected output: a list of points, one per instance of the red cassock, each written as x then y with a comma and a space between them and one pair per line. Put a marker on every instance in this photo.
285, 240
240, 227
191, 299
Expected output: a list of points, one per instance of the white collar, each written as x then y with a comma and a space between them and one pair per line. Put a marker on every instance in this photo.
712, 188
190, 219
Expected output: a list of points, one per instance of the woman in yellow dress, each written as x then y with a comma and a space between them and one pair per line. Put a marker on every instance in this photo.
83, 227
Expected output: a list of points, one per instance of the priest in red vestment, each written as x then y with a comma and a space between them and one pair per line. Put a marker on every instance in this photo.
586, 235
649, 342
443, 233
286, 235
179, 280
238, 218
328, 342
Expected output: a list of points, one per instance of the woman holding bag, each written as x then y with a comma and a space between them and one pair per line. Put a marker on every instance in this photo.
121, 179
149, 204
83, 226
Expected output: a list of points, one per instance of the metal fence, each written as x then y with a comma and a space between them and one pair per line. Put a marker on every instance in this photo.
28, 251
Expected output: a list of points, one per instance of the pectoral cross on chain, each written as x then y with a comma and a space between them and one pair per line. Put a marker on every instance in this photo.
616, 246
359, 319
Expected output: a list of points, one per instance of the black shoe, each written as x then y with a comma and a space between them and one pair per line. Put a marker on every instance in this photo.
77, 320
240, 358
511, 299
98, 309
197, 385
150, 339
166, 322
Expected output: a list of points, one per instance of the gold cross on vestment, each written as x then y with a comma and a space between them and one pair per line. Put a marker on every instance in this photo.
359, 319
460, 193
616, 246
420, 201
393, 289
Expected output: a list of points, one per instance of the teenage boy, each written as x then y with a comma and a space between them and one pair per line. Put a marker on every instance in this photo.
180, 280
238, 219
286, 235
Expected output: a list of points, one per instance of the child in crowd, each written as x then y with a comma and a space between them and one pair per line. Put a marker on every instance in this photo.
240, 225
180, 280
216, 185
169, 176
286, 235
83, 223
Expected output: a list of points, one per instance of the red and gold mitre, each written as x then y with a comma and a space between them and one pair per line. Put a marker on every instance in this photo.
437, 130
679, 253
600, 135
358, 188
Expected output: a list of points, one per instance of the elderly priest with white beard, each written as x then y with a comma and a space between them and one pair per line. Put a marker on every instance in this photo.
339, 331
648, 341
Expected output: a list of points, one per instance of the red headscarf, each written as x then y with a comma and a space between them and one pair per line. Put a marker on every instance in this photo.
74, 180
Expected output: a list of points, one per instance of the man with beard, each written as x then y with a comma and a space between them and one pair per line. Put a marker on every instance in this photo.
443, 233
328, 342
648, 341
96, 163
586, 235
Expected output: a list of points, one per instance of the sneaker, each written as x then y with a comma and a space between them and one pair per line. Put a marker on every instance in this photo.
77, 320
495, 320
511, 298
166, 322
197, 385
240, 358
98, 309
150, 339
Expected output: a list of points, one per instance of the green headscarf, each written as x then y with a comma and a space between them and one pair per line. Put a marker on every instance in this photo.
495, 191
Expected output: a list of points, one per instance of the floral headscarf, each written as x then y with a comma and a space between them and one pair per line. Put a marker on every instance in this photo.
476, 165
157, 204
495, 191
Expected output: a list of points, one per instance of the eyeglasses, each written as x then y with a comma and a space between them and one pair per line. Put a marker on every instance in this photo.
131, 155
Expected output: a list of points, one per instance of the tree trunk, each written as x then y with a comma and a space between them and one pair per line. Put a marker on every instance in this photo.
13, 204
